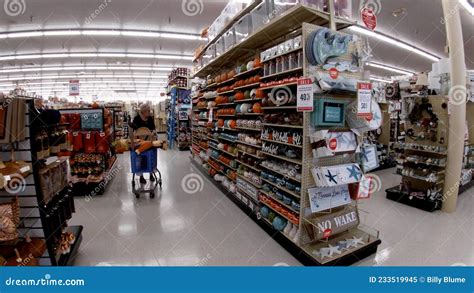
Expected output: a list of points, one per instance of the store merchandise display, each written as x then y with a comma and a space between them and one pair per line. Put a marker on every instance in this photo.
179, 110
34, 219
252, 111
92, 156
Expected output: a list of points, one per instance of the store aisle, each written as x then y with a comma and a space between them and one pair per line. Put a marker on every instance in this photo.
206, 228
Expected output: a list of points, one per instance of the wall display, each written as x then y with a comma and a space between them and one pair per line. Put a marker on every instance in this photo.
279, 150
325, 198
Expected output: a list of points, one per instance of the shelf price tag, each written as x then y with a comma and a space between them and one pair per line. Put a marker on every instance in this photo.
74, 87
304, 94
364, 100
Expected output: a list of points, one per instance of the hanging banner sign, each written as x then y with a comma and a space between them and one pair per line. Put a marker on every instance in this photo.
304, 95
364, 100
74, 87
368, 18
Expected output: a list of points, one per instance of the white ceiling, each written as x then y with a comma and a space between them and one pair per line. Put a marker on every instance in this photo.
420, 26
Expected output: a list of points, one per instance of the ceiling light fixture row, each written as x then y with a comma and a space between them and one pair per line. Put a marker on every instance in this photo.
81, 76
100, 32
76, 68
390, 40
94, 55
390, 68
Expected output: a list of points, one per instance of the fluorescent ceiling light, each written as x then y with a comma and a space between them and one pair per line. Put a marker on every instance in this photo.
395, 42
141, 34
62, 33
55, 55
180, 36
93, 55
380, 79
118, 55
66, 68
100, 33
467, 6
389, 68
25, 34
82, 54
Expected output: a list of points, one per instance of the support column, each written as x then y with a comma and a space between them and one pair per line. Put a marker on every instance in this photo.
457, 118
332, 14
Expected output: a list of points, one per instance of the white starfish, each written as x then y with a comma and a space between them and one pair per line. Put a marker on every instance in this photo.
356, 241
333, 250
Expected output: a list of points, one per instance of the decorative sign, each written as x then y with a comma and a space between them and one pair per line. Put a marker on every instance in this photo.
368, 18
74, 87
325, 198
335, 142
368, 157
330, 224
305, 95
336, 175
364, 100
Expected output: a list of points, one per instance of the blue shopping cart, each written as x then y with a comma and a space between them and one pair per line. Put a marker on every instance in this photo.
145, 162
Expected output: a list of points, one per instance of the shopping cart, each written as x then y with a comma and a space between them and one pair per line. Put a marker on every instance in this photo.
145, 162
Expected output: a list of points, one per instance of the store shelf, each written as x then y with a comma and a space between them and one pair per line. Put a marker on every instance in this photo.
226, 92
249, 129
222, 151
280, 108
249, 181
279, 201
248, 86
279, 85
252, 155
278, 212
284, 189
68, 259
280, 233
226, 139
222, 163
248, 72
248, 166
252, 145
282, 125
225, 104
248, 101
250, 114
294, 161
231, 116
425, 204
284, 54
280, 26
283, 143
282, 174
230, 80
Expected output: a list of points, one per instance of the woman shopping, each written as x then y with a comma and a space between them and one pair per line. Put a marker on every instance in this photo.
143, 119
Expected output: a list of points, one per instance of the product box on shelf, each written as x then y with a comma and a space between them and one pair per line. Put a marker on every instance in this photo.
229, 39
260, 15
209, 55
220, 46
243, 28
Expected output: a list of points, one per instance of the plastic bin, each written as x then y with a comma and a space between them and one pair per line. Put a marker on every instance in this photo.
260, 15
146, 162
243, 28
229, 39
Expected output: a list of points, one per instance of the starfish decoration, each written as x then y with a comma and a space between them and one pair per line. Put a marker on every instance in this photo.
354, 242
343, 245
333, 250
365, 152
354, 172
324, 252
331, 177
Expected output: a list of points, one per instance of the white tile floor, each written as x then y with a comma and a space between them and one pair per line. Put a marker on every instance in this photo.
206, 228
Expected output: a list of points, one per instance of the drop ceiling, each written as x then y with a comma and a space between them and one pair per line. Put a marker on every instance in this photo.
418, 23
